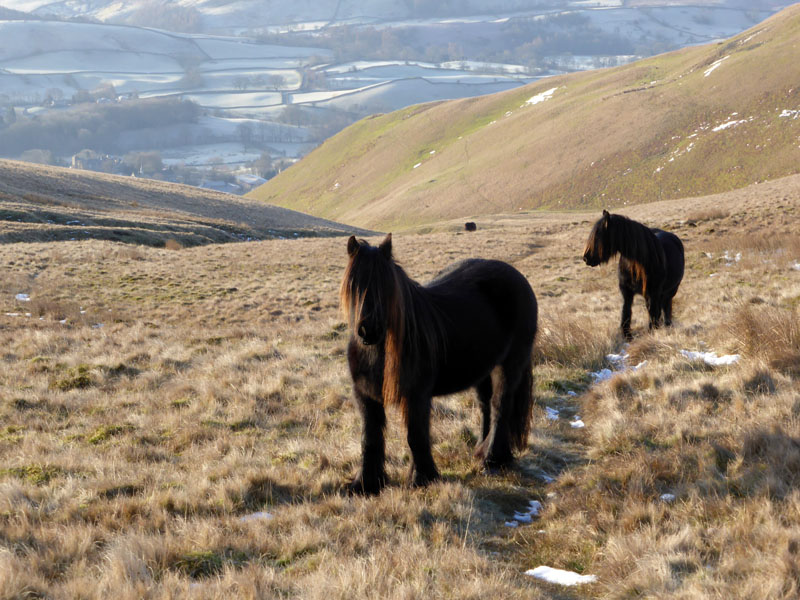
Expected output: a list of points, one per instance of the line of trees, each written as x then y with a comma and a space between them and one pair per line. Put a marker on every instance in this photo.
521, 41
96, 126
166, 15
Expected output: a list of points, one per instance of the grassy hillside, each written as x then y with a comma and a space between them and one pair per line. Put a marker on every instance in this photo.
697, 121
39, 203
155, 404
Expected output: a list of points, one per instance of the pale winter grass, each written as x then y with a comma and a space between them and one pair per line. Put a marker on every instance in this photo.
188, 389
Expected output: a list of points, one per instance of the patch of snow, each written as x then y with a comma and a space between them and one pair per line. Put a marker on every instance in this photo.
711, 358
572, 394
668, 498
541, 97
522, 517
730, 260
577, 423
13, 315
620, 364
257, 516
417, 165
750, 37
534, 508
23, 297
618, 360
796, 266
559, 576
788, 113
602, 375
727, 124
551, 413
714, 65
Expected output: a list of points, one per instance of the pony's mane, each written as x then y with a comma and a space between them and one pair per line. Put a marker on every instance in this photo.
414, 332
631, 239
634, 241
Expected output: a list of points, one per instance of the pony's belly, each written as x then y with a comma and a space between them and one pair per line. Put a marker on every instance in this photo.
464, 374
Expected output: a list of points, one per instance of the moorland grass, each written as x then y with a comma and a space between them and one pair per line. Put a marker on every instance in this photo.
156, 397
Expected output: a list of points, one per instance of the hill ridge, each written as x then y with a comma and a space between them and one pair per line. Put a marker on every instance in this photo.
43, 203
644, 131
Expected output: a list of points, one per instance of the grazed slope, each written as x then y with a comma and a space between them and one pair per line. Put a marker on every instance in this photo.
632, 134
39, 203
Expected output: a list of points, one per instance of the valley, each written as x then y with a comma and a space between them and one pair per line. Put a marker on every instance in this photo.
268, 87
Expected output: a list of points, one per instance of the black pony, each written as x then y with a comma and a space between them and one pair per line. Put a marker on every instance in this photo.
472, 326
651, 264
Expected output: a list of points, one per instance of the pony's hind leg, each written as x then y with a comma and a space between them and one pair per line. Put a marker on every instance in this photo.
498, 440
418, 419
484, 390
654, 311
372, 477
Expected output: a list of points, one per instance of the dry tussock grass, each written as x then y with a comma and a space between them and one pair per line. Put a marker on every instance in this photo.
186, 390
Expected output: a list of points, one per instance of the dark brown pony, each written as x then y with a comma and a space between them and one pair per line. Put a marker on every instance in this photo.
651, 264
472, 326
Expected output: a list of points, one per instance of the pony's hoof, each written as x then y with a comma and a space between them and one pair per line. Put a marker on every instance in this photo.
495, 466
419, 479
359, 487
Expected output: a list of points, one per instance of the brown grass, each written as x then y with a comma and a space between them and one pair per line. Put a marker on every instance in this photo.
186, 390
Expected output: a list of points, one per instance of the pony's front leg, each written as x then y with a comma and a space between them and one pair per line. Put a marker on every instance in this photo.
418, 419
668, 312
372, 477
484, 390
627, 305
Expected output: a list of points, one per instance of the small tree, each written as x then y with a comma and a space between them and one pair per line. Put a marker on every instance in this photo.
11, 116
276, 82
245, 133
263, 166
145, 163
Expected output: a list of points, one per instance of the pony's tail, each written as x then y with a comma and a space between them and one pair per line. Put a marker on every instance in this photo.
521, 406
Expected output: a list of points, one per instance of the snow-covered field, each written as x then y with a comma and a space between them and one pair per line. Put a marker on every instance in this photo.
209, 154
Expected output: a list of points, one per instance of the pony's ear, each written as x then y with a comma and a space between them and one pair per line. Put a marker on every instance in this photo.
352, 246
386, 246
606, 214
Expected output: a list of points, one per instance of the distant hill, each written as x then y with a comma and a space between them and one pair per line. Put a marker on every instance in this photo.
7, 14
697, 121
39, 203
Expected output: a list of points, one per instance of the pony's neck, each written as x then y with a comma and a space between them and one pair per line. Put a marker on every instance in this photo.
637, 243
